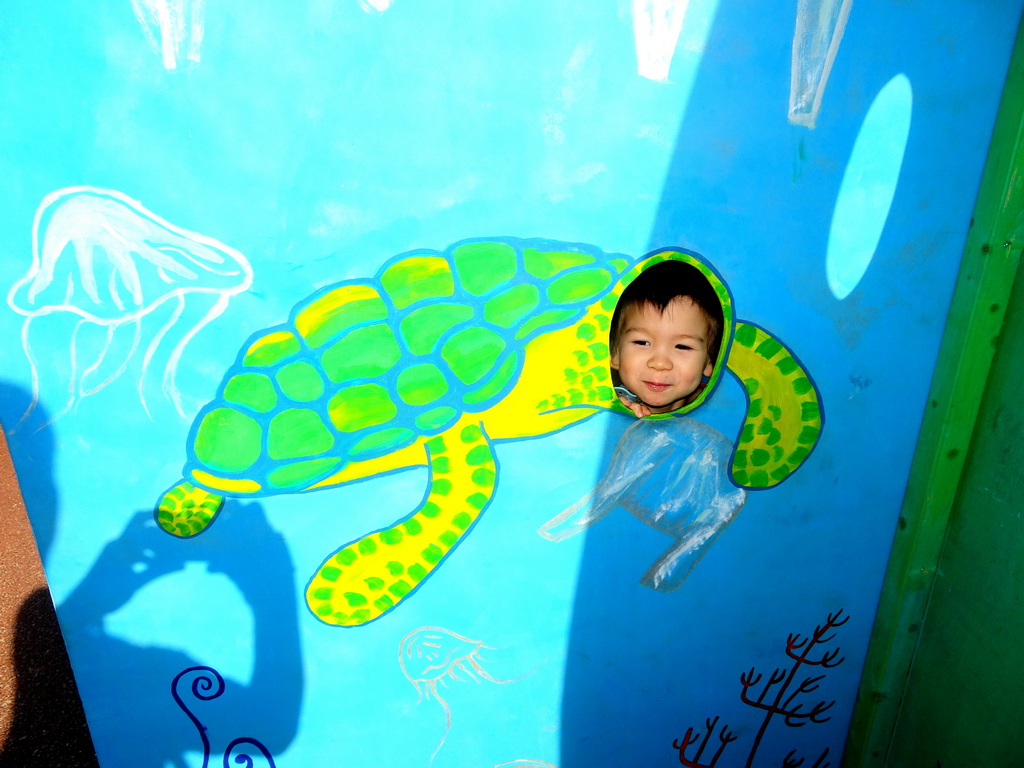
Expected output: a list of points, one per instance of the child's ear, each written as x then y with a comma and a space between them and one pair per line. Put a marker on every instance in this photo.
613, 359
709, 368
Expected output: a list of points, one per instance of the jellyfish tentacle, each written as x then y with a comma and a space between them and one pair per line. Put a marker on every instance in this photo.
447, 721
83, 342
33, 369
486, 676
112, 290
72, 378
70, 400
447, 712
136, 324
154, 343
97, 363
170, 371
73, 349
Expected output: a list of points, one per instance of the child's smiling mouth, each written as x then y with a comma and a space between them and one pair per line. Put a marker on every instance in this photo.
656, 386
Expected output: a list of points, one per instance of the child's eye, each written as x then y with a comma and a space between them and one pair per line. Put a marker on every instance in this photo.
683, 346
641, 342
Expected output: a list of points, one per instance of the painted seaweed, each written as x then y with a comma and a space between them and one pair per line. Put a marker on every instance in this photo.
776, 695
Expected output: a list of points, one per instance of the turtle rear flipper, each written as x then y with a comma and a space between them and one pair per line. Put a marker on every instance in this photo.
784, 417
187, 510
367, 578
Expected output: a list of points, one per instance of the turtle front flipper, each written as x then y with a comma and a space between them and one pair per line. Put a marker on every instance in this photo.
367, 578
784, 415
186, 510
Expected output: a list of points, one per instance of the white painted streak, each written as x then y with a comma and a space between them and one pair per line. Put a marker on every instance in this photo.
656, 28
819, 31
673, 475
174, 29
375, 6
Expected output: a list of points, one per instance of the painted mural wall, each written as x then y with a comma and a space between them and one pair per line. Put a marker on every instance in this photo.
307, 379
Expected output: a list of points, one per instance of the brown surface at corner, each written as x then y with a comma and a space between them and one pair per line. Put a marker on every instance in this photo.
41, 717
21, 574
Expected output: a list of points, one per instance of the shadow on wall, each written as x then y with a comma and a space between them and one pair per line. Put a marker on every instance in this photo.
135, 719
133, 716
634, 653
47, 724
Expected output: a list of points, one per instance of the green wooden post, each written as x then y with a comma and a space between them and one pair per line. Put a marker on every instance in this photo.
987, 272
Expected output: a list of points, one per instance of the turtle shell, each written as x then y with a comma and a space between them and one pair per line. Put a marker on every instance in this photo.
366, 367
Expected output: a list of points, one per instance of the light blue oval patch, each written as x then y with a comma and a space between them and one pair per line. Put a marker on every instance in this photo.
868, 187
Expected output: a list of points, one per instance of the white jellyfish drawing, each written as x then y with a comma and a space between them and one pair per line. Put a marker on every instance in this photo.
429, 655
122, 273
673, 474
174, 29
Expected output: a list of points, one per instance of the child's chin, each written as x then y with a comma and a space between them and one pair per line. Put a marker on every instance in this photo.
674, 405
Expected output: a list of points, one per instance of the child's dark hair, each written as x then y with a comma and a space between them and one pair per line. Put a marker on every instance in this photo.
658, 286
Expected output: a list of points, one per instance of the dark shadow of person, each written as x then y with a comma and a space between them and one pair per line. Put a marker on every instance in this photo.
132, 712
47, 724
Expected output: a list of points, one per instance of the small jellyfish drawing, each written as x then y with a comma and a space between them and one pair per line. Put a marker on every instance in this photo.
105, 261
673, 475
430, 654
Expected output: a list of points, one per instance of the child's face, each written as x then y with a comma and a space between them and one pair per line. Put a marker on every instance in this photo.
662, 356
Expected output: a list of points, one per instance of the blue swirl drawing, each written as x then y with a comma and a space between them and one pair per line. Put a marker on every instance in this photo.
207, 684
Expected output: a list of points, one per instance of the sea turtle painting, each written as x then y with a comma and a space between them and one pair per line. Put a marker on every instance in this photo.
432, 362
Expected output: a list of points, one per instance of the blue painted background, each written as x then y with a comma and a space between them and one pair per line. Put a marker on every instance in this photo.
319, 140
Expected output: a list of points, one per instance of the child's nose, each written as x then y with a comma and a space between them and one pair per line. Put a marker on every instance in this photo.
660, 362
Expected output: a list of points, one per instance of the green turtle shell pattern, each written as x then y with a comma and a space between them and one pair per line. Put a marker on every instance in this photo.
366, 367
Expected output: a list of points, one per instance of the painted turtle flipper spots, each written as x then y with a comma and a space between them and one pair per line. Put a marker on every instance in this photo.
186, 510
365, 579
784, 415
